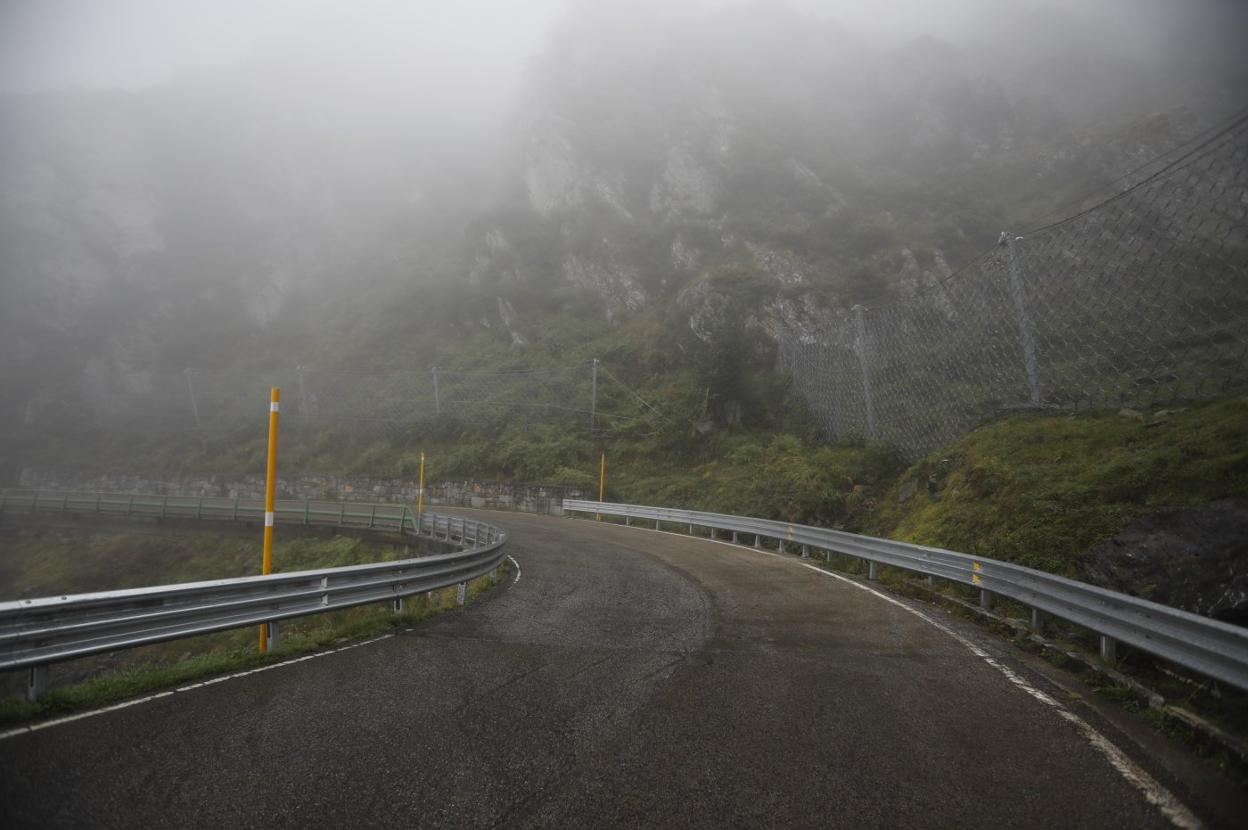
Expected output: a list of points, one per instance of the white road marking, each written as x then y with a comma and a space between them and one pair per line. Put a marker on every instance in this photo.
1149, 787
22, 730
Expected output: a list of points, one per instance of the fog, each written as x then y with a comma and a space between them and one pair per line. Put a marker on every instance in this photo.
191, 184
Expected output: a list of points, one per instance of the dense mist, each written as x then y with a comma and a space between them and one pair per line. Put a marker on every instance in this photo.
237, 184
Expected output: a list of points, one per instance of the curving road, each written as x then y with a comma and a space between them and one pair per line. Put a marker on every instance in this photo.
628, 679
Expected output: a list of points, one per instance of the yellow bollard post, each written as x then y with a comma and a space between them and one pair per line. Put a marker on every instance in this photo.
270, 484
602, 480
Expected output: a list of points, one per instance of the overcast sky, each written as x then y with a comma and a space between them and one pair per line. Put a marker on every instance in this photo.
136, 43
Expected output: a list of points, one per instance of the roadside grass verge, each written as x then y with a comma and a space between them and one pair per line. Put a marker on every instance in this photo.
236, 651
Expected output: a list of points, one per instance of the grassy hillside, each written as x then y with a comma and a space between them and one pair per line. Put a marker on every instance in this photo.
1041, 489
43, 563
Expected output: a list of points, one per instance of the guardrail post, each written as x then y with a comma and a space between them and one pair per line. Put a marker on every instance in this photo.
274, 635
307, 511
1109, 649
234, 514
985, 599
758, 542
398, 604
372, 517
780, 545
873, 570
461, 593
805, 552
36, 682
931, 581
628, 520
691, 530
1037, 620
734, 537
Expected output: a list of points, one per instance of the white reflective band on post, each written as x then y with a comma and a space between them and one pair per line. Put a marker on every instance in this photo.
274, 406
268, 519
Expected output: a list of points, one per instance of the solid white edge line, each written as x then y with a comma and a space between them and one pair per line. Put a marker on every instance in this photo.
1152, 790
22, 730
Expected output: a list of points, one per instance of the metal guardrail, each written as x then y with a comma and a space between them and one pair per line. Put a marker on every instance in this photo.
1212, 648
37, 632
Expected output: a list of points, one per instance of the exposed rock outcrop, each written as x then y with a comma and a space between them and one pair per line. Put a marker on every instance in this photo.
1191, 558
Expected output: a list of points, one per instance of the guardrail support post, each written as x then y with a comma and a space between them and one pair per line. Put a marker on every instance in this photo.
36, 682
691, 530
734, 537
873, 570
461, 593
931, 581
758, 542
628, 520
805, 552
398, 604
275, 634
985, 599
1109, 649
656, 524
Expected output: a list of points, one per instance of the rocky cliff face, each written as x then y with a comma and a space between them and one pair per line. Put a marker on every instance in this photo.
748, 172
834, 173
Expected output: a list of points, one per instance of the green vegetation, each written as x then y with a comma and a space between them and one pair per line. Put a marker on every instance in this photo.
230, 652
1041, 489
58, 562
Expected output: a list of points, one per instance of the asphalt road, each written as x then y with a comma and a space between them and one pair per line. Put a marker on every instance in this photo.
628, 679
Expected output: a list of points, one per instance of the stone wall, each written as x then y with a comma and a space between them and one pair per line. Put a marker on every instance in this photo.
497, 495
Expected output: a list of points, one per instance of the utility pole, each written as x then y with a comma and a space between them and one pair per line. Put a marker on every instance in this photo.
1026, 333
865, 364
437, 399
190, 388
593, 397
303, 394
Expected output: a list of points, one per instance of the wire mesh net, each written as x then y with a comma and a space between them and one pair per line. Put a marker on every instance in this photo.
576, 396
1137, 301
